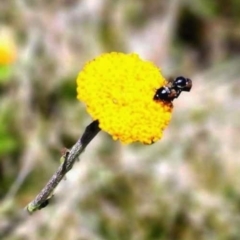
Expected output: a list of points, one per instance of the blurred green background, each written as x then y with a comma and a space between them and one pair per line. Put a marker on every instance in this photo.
186, 186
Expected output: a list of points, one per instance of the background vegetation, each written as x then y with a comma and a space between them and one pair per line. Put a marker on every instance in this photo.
187, 186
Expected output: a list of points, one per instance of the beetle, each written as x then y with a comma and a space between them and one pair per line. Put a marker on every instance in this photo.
173, 89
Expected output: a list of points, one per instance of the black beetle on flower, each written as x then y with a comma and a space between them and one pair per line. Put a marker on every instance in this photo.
173, 89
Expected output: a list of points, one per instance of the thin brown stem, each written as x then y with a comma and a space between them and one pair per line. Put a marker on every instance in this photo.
70, 157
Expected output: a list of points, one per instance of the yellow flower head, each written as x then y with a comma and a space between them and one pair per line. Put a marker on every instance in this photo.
8, 51
118, 91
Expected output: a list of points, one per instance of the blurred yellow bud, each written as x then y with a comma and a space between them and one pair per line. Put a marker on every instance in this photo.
8, 48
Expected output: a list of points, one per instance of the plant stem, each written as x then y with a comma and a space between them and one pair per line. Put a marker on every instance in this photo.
69, 159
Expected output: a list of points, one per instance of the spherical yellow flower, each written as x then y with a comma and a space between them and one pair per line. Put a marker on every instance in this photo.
118, 91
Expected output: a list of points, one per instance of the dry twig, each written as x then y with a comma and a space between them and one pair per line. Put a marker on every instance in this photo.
42, 199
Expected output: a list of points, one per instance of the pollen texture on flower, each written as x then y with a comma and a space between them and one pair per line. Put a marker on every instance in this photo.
118, 91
